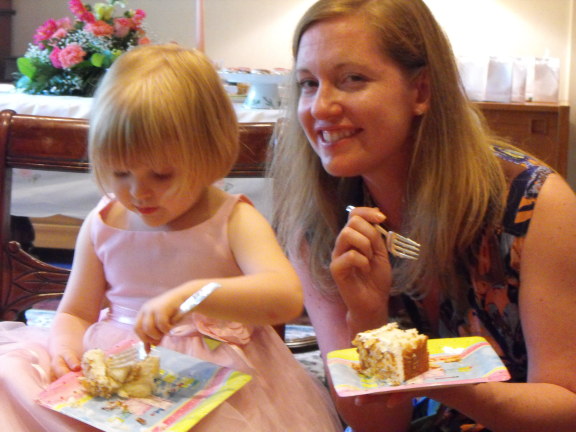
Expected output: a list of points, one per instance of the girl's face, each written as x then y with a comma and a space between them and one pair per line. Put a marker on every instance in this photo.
155, 194
356, 106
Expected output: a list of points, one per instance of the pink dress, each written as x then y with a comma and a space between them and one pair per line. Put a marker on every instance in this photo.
281, 396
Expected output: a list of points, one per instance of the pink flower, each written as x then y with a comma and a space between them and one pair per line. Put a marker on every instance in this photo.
138, 17
99, 28
45, 31
80, 11
59, 34
55, 59
122, 27
71, 55
64, 23
52, 29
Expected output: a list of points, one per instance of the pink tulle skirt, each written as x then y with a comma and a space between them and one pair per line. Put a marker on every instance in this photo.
282, 396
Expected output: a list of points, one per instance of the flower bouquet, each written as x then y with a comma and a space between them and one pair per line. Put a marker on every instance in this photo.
69, 57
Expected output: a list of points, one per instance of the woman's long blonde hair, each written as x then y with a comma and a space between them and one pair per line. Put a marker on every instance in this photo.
455, 187
164, 105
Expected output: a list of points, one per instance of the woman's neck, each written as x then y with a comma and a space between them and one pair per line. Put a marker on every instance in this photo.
388, 194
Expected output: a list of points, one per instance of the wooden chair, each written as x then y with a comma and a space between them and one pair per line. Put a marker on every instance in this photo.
59, 144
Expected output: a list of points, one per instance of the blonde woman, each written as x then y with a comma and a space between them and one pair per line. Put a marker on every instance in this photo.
163, 130
378, 120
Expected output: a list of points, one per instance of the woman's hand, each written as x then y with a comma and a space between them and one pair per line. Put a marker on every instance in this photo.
361, 269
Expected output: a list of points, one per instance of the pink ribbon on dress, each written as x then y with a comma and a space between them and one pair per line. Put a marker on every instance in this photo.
224, 331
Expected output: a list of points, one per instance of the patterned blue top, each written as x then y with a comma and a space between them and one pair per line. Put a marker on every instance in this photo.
491, 309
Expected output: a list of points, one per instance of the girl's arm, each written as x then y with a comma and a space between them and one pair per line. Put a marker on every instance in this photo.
269, 291
79, 307
547, 304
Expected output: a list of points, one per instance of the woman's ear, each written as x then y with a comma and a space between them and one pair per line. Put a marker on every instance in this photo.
421, 84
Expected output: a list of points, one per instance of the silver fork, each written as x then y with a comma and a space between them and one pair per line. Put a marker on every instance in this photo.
397, 245
129, 356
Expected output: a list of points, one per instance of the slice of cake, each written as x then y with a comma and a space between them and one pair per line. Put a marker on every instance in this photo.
391, 354
101, 379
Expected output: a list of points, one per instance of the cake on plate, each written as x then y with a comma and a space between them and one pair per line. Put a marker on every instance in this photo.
100, 378
392, 355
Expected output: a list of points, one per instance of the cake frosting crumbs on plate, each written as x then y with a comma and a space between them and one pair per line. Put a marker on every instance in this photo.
135, 380
392, 355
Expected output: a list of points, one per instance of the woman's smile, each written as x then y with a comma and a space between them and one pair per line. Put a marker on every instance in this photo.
328, 136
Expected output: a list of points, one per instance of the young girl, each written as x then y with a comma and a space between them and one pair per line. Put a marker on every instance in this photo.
162, 132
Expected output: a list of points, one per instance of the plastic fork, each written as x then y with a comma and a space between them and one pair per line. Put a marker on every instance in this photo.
397, 245
129, 356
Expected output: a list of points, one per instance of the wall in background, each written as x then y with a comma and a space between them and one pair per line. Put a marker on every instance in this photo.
516, 28
252, 33
257, 33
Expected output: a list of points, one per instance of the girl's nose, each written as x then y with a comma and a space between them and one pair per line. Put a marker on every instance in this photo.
326, 104
140, 190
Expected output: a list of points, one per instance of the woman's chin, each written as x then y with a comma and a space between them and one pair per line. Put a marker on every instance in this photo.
340, 169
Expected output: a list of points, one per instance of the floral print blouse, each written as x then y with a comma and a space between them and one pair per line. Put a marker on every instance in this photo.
493, 287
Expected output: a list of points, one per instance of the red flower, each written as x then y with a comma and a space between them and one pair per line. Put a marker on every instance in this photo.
144, 41
122, 27
80, 11
100, 28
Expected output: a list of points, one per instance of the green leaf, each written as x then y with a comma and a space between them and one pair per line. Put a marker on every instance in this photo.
97, 59
26, 67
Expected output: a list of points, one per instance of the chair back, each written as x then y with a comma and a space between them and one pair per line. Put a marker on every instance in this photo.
60, 144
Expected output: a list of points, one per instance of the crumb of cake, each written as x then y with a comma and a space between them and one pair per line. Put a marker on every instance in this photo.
392, 355
100, 379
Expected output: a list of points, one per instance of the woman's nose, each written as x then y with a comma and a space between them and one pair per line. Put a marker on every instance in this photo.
326, 103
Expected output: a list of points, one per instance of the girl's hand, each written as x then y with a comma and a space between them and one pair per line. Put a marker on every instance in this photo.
157, 317
361, 269
64, 362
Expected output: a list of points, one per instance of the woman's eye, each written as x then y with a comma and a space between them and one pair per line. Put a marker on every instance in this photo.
307, 84
354, 80
120, 174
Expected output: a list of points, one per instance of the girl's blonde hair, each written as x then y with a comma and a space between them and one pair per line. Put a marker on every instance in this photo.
456, 185
163, 105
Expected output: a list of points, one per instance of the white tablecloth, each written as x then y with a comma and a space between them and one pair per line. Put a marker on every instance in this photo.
46, 193
79, 107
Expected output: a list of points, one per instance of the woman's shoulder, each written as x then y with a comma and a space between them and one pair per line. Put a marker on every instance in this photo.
516, 162
526, 176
